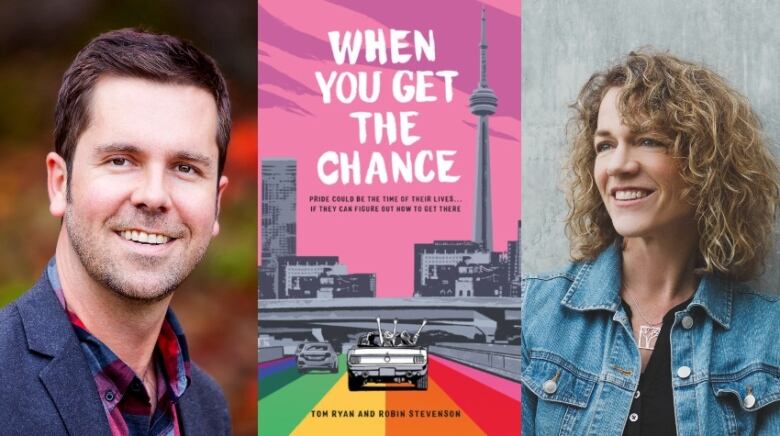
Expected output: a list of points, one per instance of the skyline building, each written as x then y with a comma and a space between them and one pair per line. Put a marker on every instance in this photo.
292, 272
481, 277
277, 221
512, 254
519, 257
436, 265
346, 285
483, 103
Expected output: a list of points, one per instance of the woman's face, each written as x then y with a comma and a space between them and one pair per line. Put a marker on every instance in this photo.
637, 177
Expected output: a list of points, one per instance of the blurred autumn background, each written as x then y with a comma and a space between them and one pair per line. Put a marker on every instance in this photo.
217, 304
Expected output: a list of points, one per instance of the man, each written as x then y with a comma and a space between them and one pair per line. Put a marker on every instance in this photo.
141, 134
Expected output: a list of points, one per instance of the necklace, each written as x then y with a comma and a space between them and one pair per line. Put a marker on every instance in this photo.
648, 332
149, 383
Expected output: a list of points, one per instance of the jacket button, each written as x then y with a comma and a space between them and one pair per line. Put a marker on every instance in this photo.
749, 401
683, 372
633, 417
687, 322
549, 387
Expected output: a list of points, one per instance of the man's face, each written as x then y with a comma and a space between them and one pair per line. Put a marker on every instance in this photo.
143, 190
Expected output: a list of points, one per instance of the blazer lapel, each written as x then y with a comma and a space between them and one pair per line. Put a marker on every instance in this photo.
67, 377
185, 412
189, 415
72, 389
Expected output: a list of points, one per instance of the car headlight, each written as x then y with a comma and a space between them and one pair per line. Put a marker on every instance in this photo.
354, 360
419, 359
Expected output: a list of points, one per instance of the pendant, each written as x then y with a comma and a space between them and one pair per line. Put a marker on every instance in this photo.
647, 336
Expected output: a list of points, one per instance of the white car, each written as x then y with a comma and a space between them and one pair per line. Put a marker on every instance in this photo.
317, 355
388, 357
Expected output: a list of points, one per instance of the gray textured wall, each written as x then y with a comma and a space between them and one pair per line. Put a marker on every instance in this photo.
564, 42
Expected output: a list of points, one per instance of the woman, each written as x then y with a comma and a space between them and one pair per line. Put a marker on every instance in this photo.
672, 201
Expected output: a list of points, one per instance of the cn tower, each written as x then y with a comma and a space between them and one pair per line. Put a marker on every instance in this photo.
483, 103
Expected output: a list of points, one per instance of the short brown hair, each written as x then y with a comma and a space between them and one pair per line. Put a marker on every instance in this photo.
732, 179
141, 54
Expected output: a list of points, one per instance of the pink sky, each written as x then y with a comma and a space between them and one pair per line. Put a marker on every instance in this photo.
294, 122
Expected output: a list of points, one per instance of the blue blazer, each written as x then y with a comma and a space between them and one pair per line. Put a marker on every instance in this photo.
46, 387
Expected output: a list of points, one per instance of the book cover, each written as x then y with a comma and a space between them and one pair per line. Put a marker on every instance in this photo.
390, 217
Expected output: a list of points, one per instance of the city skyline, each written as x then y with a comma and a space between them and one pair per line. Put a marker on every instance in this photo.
299, 124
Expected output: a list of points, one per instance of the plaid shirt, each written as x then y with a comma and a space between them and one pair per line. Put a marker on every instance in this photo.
121, 391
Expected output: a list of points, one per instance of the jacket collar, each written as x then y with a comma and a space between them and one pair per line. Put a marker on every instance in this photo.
596, 286
46, 326
67, 377
715, 296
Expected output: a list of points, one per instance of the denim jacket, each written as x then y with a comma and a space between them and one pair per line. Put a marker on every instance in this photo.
581, 365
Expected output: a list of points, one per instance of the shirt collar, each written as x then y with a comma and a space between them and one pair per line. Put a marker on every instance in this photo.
597, 287
171, 343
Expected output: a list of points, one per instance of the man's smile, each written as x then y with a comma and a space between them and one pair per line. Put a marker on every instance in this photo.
144, 237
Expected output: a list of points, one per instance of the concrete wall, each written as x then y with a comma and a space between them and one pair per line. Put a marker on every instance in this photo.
267, 354
564, 42
498, 359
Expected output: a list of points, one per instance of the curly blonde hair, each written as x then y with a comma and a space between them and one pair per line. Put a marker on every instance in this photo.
731, 178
